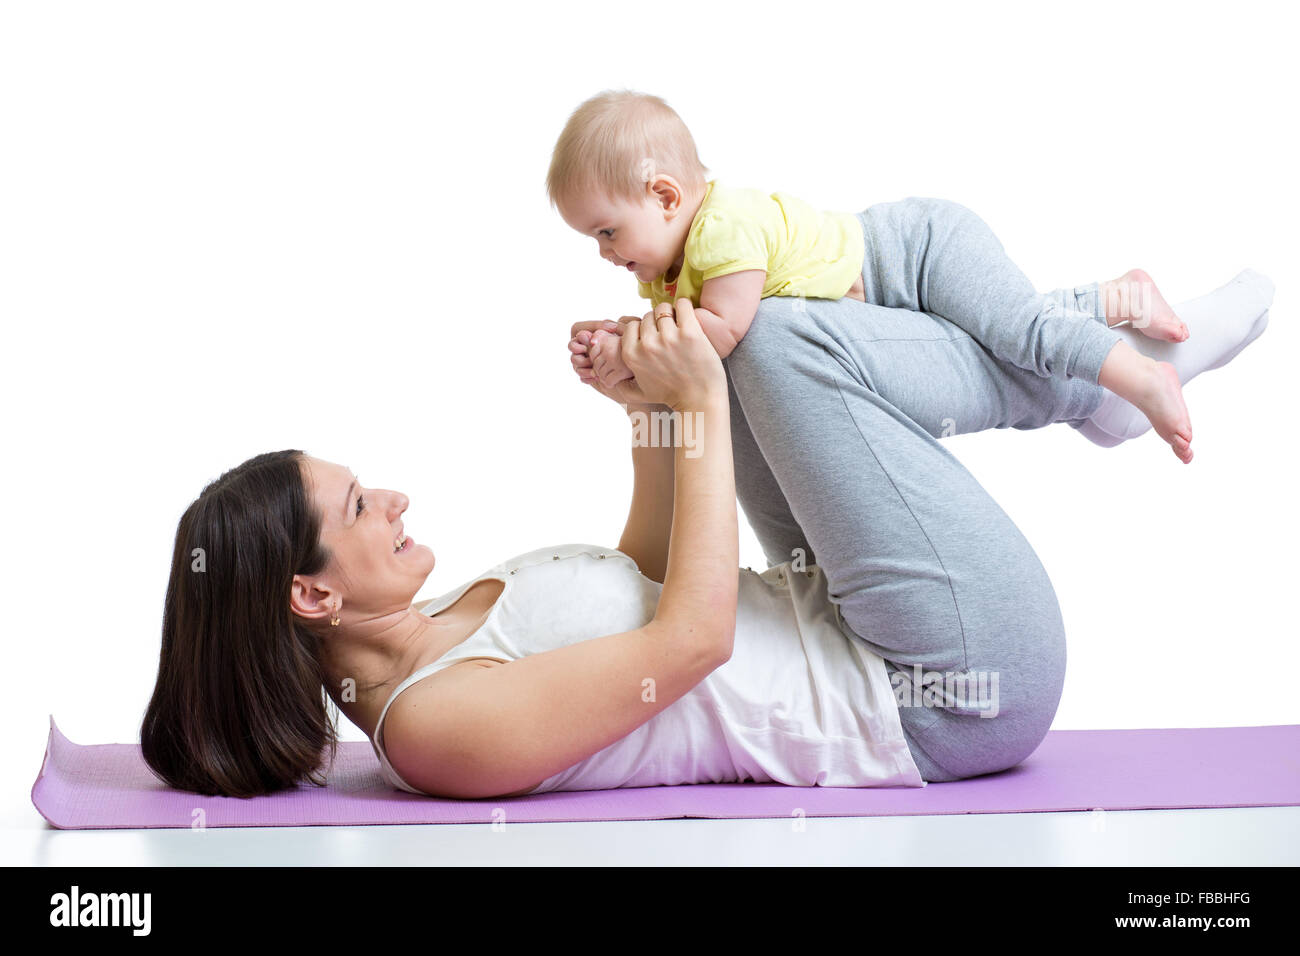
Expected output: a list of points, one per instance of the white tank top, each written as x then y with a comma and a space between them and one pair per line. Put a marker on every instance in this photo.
801, 702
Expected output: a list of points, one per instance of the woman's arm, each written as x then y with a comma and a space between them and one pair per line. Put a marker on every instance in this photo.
672, 360
499, 730
654, 433
650, 515
702, 574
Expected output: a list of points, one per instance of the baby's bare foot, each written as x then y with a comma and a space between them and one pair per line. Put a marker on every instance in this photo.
1162, 403
606, 354
1134, 298
578, 346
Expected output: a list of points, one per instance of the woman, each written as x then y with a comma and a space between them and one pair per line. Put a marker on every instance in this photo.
288, 577
574, 668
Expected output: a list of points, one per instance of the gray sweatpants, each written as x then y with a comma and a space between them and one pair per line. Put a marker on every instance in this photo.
837, 408
933, 255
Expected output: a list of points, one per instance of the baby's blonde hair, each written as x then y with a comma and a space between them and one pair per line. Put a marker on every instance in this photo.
617, 141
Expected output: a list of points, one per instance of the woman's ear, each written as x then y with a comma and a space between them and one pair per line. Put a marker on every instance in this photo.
310, 599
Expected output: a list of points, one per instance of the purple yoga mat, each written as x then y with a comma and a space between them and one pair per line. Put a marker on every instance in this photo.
107, 786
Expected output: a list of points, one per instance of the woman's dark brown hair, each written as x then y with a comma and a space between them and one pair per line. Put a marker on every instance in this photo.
239, 708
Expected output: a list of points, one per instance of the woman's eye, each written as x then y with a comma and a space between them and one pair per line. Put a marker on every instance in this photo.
360, 505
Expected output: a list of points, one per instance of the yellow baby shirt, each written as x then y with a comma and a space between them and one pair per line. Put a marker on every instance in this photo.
805, 251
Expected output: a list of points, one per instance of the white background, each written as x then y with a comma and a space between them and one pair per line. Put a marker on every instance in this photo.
231, 228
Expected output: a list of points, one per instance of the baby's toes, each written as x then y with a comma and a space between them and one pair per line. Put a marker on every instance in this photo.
1164, 329
1173, 329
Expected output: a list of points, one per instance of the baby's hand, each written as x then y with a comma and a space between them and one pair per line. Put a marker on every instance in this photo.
606, 352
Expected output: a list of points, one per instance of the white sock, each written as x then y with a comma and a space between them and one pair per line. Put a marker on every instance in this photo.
1220, 325
1098, 437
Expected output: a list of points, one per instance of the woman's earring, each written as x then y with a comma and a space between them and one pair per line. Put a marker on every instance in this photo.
334, 617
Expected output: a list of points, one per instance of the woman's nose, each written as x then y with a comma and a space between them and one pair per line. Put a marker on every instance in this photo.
399, 502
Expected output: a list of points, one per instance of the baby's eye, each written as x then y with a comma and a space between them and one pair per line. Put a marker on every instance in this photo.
607, 232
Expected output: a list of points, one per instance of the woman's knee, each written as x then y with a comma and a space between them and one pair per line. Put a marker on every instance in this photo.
959, 229
953, 211
932, 211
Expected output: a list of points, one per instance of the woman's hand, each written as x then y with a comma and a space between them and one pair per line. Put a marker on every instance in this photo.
672, 359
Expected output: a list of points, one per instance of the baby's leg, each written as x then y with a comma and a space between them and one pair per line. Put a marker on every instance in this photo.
1134, 300
1220, 325
936, 256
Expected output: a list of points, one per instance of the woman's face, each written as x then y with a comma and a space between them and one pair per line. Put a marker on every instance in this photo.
361, 527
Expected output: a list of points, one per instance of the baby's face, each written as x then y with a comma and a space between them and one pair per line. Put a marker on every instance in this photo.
638, 237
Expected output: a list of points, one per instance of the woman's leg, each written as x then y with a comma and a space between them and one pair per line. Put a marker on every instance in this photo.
924, 565
760, 496
933, 255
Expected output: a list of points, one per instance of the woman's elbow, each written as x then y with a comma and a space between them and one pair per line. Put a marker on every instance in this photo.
722, 630
725, 621
726, 644
705, 639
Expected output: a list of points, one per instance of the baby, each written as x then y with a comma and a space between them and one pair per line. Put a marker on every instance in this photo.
625, 171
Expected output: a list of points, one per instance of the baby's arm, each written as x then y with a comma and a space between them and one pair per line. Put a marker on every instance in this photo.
727, 307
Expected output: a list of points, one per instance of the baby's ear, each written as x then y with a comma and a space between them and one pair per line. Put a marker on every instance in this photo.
664, 193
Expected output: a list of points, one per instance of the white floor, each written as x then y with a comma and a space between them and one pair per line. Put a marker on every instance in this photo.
1234, 837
